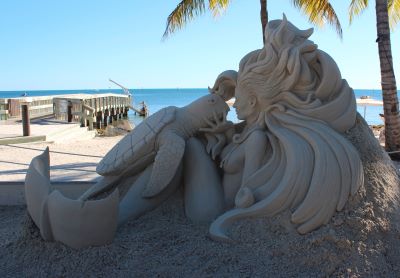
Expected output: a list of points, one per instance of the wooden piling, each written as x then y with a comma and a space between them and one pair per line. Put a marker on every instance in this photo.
125, 115
99, 119
26, 127
115, 116
106, 114
120, 112
112, 115
69, 112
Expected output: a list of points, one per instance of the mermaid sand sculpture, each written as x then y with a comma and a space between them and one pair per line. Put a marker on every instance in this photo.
294, 101
288, 153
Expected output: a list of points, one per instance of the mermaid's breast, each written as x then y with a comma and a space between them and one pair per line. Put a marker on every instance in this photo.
232, 158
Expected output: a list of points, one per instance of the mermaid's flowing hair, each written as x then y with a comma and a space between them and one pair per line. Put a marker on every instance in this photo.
306, 105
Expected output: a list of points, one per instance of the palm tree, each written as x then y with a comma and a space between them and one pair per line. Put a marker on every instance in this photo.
318, 12
384, 9
263, 17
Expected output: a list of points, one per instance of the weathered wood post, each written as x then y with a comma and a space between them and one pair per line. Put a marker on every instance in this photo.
87, 113
106, 114
90, 122
83, 115
26, 125
115, 117
115, 114
69, 112
112, 111
126, 112
90, 119
118, 110
99, 119
112, 116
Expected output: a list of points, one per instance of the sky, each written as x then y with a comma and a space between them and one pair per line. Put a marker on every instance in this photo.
75, 44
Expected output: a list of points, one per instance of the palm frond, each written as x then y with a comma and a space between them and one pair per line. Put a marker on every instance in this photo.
183, 13
187, 10
217, 6
356, 8
319, 13
394, 13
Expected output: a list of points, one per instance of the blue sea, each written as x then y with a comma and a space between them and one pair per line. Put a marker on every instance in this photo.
160, 98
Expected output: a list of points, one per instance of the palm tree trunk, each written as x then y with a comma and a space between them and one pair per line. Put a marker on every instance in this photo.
388, 80
264, 17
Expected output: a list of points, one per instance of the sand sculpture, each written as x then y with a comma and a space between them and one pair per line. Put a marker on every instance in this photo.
288, 153
73, 222
293, 100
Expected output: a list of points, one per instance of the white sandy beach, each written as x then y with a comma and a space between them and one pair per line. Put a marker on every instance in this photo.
72, 161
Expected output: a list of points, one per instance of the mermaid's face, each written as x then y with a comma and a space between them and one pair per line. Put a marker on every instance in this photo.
244, 104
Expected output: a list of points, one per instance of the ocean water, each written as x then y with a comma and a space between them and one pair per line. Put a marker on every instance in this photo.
157, 99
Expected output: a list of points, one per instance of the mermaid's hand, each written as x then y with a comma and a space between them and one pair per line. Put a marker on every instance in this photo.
217, 125
216, 134
215, 144
211, 141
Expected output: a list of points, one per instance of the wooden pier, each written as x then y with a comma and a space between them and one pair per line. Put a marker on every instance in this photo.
88, 109
91, 109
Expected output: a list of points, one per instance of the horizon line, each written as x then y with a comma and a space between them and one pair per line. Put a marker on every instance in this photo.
158, 88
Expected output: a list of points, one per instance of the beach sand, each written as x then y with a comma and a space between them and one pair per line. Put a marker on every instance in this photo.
69, 161
359, 241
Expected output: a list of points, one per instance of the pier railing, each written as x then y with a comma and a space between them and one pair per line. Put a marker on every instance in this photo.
39, 106
3, 109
